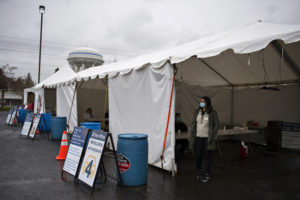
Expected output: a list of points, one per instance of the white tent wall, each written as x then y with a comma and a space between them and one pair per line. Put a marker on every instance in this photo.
139, 103
25, 97
265, 105
64, 99
39, 101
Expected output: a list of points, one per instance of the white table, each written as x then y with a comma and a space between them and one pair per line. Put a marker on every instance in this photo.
220, 134
233, 132
242, 131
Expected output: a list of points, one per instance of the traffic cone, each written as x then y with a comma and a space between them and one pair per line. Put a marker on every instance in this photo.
63, 147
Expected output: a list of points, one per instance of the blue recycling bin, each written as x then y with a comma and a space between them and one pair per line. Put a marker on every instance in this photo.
58, 125
91, 125
45, 123
20, 118
133, 158
24, 114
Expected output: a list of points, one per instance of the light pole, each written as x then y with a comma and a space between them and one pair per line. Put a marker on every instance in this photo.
42, 11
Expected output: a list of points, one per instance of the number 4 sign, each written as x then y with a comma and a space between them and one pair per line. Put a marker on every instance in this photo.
92, 157
90, 167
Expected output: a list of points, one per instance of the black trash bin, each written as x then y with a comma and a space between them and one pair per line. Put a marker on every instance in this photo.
274, 135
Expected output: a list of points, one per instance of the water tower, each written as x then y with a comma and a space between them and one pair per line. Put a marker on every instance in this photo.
83, 58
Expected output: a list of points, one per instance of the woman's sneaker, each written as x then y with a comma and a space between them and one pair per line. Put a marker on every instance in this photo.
203, 179
198, 174
207, 176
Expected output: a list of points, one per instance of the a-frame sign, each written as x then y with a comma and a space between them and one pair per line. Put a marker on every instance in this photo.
93, 159
9, 116
35, 124
75, 151
27, 124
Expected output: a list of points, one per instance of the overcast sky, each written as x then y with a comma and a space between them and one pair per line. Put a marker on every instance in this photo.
130, 28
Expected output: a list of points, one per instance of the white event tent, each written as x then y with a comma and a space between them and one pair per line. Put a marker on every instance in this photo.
230, 67
26, 92
46, 96
69, 100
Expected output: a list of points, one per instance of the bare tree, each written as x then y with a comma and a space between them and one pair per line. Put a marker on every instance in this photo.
3, 85
6, 76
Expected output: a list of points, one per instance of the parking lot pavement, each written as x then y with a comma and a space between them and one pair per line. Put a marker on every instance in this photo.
29, 170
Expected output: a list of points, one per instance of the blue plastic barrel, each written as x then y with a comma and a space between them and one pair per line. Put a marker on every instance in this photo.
20, 118
47, 117
133, 158
91, 125
58, 125
24, 114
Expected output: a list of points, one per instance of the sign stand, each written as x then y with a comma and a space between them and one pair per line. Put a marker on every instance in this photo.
75, 152
110, 154
93, 163
13, 117
27, 125
35, 125
9, 116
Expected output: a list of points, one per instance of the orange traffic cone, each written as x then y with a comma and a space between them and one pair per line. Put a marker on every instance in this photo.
63, 147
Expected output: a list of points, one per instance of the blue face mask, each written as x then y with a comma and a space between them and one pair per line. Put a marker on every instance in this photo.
202, 104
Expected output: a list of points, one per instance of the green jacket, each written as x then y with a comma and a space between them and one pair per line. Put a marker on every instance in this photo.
213, 123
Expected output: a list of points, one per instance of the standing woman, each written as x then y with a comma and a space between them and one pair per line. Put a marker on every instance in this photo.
205, 126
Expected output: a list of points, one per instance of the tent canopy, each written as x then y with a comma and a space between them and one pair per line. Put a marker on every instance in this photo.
251, 54
63, 74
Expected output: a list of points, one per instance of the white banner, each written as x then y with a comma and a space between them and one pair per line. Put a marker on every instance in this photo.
139, 103
64, 98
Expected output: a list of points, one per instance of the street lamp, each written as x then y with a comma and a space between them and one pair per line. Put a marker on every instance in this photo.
42, 11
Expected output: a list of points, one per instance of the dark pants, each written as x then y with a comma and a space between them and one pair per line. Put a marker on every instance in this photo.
201, 150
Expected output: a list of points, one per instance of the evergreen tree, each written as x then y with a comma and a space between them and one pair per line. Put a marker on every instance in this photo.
3, 85
28, 82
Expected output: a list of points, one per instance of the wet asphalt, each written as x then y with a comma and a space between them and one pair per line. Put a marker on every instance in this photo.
29, 170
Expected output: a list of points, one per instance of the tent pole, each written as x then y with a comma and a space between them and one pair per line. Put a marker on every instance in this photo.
105, 105
76, 86
162, 160
232, 104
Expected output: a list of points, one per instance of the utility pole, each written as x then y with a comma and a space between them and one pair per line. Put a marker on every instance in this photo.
42, 11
